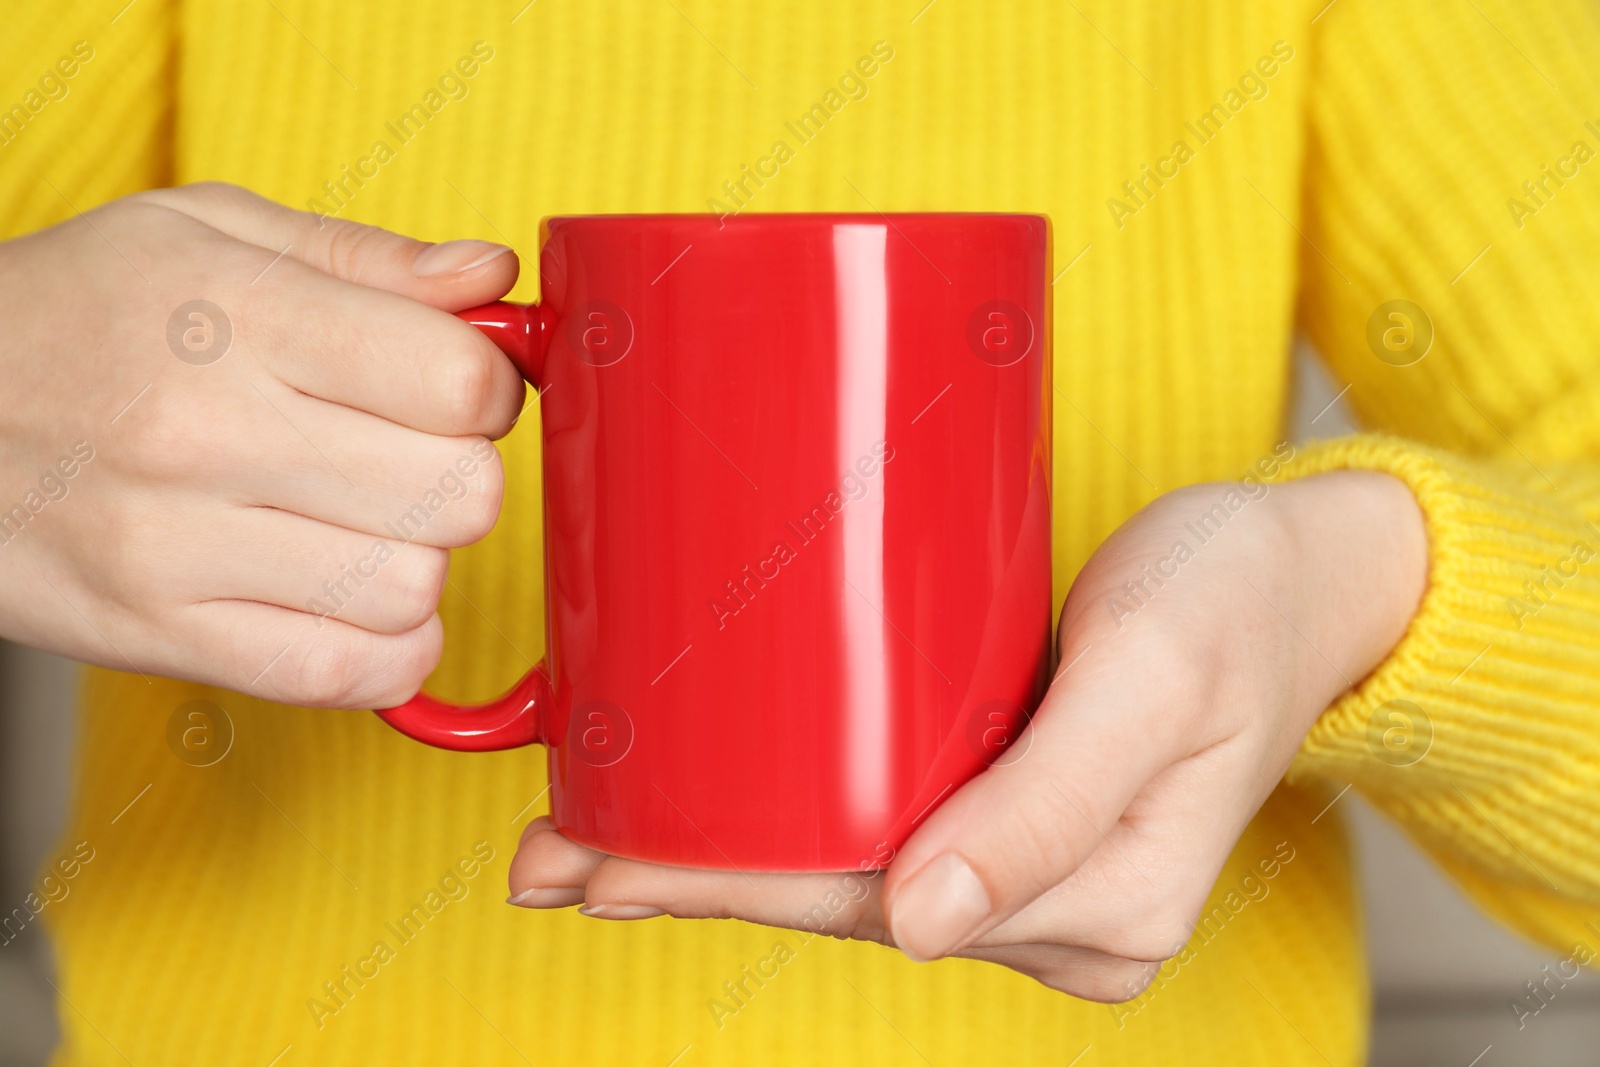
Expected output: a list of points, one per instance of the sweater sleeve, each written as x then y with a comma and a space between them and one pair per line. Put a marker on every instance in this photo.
1451, 266
86, 100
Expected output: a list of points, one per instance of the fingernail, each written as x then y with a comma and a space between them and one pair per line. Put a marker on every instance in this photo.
938, 909
542, 897
620, 911
455, 257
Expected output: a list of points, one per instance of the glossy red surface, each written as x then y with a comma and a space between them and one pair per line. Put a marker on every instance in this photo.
797, 528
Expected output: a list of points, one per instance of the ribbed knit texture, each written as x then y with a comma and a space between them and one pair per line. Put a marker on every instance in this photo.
1377, 167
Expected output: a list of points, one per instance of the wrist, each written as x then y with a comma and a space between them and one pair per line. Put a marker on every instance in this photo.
1358, 553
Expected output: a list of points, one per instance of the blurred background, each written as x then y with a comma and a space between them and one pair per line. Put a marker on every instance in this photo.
1443, 976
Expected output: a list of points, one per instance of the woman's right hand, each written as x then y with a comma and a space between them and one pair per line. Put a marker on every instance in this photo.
256, 492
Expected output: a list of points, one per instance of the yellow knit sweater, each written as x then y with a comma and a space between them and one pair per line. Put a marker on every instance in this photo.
1220, 173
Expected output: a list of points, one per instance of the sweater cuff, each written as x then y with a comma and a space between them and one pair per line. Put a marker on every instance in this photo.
1495, 680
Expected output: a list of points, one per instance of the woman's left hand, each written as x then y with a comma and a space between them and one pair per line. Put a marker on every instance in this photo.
1191, 670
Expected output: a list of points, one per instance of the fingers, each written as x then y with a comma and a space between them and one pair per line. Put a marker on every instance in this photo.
1079, 972
275, 557
549, 871
378, 353
285, 656
353, 470
1020, 828
452, 276
336, 310
1138, 896
839, 904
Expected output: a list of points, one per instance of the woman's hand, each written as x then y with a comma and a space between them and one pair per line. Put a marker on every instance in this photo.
236, 441
1197, 646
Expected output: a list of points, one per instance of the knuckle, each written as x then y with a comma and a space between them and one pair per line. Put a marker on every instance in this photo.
153, 203
418, 584
412, 657
616, 880
1055, 824
370, 672
1167, 646
1180, 668
1048, 834
210, 189
351, 248
354, 670
542, 849
134, 569
845, 912
480, 508
860, 924
159, 437
171, 196
470, 390
193, 195
327, 674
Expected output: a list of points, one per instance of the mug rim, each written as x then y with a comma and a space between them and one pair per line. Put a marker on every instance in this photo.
749, 217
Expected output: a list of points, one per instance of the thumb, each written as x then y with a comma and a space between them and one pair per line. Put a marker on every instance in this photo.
450, 276
1022, 826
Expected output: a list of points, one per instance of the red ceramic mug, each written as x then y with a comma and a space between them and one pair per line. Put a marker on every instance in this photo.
797, 528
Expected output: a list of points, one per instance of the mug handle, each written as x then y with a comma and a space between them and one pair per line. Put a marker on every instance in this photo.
522, 331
